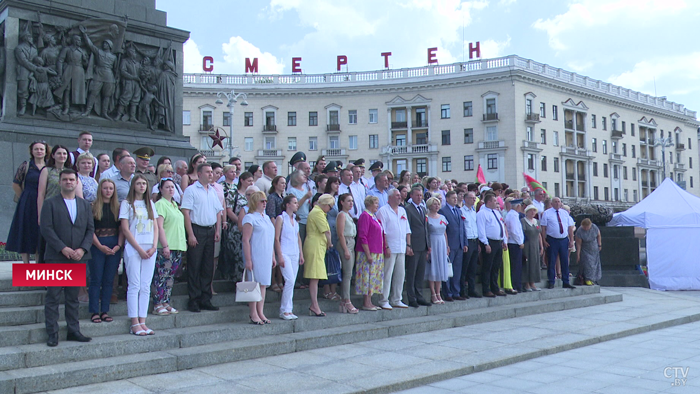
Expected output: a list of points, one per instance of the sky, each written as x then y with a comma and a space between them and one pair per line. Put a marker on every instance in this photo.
646, 45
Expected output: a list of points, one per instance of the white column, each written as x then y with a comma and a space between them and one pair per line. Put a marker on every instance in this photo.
388, 125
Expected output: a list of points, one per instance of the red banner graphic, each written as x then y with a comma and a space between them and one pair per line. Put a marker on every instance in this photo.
38, 275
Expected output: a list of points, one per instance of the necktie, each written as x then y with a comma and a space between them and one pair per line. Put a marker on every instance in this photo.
499, 222
561, 227
420, 209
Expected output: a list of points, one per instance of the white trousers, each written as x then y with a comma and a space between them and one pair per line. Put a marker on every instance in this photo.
139, 272
289, 273
394, 274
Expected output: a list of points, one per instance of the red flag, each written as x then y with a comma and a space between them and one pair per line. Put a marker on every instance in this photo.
533, 183
480, 176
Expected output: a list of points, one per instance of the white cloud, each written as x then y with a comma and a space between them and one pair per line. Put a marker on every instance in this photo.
235, 52
192, 57
580, 67
491, 48
679, 73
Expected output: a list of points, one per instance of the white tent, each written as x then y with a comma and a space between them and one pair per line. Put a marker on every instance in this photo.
672, 219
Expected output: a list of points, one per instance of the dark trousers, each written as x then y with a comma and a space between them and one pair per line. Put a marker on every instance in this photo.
516, 266
470, 261
491, 266
103, 268
51, 307
200, 264
558, 247
415, 273
452, 286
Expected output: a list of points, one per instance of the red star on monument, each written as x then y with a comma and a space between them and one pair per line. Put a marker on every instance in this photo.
218, 139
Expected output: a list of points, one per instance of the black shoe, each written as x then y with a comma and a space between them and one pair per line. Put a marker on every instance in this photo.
568, 286
550, 285
423, 302
192, 306
53, 340
413, 304
207, 306
448, 299
460, 298
78, 337
474, 295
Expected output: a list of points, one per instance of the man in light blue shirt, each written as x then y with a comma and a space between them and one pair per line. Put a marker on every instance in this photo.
379, 189
470, 259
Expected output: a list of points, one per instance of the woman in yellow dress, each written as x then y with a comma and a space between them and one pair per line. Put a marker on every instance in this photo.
318, 240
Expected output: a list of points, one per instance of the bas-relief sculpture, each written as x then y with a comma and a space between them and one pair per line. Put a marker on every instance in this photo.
90, 70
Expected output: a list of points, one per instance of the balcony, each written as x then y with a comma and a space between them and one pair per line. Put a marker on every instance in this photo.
569, 124
616, 157
576, 151
532, 118
334, 153
617, 134
531, 146
206, 127
570, 176
411, 150
680, 146
420, 124
645, 183
679, 167
211, 153
269, 153
333, 128
399, 125
490, 117
648, 163
270, 129
490, 145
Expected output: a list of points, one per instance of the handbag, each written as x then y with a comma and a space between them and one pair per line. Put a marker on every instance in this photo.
333, 268
248, 291
450, 271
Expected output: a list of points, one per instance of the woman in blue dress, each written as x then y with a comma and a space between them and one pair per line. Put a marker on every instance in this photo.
436, 270
24, 231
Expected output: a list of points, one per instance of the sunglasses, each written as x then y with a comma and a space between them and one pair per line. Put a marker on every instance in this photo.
263, 201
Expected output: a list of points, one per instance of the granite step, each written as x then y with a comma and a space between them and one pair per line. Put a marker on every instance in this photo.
35, 367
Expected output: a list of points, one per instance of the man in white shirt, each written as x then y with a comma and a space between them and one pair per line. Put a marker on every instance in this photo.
516, 241
539, 201
397, 234
470, 260
492, 235
379, 189
117, 155
269, 172
356, 189
201, 208
558, 228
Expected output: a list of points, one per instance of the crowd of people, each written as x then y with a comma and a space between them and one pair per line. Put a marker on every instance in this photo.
319, 229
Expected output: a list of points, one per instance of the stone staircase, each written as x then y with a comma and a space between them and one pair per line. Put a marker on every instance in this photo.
189, 340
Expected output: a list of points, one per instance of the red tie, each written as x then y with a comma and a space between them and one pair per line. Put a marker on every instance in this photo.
561, 227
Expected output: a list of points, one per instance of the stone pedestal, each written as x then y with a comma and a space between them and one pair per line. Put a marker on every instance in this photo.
622, 252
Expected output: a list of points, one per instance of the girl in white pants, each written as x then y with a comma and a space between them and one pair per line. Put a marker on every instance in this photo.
137, 214
288, 247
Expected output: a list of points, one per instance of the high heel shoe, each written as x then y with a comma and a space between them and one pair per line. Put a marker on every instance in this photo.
257, 323
434, 299
347, 307
139, 333
312, 313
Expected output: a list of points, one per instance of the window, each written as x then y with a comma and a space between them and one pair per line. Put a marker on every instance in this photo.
292, 143
543, 136
421, 138
634, 192
690, 162
595, 192
248, 144
613, 124
624, 172
492, 161
468, 108
291, 118
530, 162
469, 163
333, 117
313, 118
248, 119
421, 119
528, 106
605, 126
555, 112
634, 173
207, 120
400, 115
313, 143
689, 144
422, 166
491, 106
491, 133
624, 150
528, 133
352, 116
556, 164
352, 143
614, 146
632, 129
269, 118
334, 142
446, 164
617, 194
247, 164
374, 141
373, 116
445, 111
542, 110
606, 192
270, 143
595, 169
634, 151
446, 137
186, 118
556, 190
468, 136
691, 183
605, 170
624, 130
616, 172
594, 145
227, 119
593, 121
555, 136
543, 163
605, 147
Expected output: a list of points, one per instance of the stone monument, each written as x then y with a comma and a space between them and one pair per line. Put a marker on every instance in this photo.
110, 67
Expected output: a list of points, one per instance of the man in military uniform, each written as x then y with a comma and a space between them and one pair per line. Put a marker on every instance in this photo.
143, 159
374, 169
332, 169
361, 164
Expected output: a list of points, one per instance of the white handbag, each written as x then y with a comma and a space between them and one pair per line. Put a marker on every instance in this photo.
248, 291
450, 271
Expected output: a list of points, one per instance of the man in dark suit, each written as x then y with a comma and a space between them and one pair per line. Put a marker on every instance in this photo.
457, 242
68, 227
417, 251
